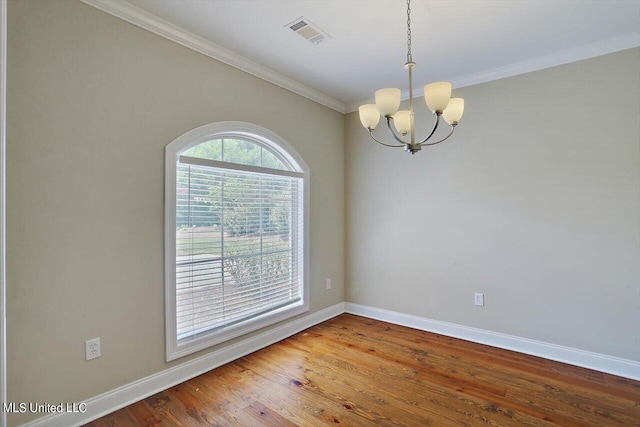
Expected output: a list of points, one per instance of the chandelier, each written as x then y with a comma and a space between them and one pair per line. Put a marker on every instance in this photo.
436, 95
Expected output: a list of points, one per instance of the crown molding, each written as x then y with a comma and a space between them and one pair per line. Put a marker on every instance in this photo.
143, 19
592, 50
136, 16
562, 57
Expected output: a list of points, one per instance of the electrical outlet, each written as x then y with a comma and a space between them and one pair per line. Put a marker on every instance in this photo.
92, 348
478, 299
328, 284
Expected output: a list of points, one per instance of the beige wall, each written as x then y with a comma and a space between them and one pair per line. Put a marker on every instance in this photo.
535, 202
92, 102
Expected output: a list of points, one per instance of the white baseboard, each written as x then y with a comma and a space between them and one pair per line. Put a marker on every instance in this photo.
120, 397
586, 359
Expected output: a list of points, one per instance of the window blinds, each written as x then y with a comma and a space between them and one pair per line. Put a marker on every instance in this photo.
239, 243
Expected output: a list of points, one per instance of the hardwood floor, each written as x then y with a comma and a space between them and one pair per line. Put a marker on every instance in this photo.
353, 371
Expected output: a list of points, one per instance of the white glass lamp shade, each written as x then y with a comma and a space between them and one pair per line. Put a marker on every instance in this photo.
453, 113
369, 116
402, 121
388, 101
437, 96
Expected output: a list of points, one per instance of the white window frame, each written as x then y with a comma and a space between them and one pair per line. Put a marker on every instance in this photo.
264, 138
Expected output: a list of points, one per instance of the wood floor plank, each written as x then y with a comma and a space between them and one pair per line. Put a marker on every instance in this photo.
459, 388
608, 384
326, 387
279, 399
385, 400
289, 391
129, 418
354, 371
266, 417
549, 395
436, 397
213, 407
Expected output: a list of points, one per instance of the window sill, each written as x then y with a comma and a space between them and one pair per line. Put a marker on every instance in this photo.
205, 340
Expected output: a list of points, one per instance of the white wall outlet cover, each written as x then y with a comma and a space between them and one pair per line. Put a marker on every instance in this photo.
478, 299
92, 348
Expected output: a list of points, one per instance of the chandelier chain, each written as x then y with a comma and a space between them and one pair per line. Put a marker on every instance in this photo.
409, 58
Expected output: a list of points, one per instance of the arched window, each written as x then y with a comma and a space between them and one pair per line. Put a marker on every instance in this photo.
236, 212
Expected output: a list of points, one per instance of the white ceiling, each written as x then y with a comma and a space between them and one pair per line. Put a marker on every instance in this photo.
463, 41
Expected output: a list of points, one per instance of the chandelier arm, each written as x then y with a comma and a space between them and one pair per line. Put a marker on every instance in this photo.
380, 142
443, 139
389, 118
433, 130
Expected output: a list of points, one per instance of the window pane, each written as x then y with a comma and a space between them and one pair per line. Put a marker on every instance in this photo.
235, 254
198, 249
269, 160
243, 152
211, 150
236, 151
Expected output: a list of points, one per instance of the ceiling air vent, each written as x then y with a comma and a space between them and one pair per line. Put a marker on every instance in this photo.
308, 30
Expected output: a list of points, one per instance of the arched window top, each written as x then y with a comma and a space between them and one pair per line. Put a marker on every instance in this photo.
240, 143
237, 150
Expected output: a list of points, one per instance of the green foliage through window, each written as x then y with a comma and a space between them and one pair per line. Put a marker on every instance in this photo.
235, 151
